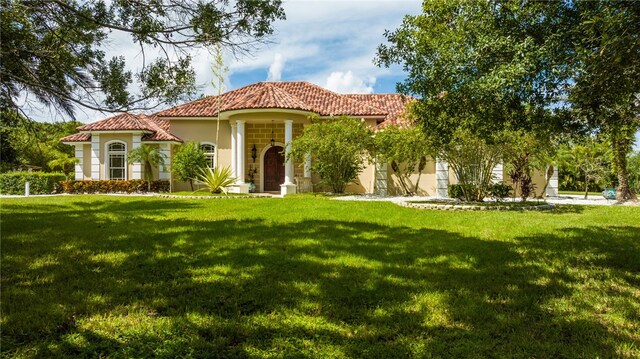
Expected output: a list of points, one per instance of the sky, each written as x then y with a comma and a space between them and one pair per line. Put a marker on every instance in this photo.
329, 43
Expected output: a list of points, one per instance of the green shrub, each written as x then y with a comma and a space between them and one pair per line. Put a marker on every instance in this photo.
39, 182
216, 180
108, 186
455, 191
500, 191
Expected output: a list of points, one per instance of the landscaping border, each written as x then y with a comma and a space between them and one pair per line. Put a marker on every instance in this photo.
458, 207
207, 197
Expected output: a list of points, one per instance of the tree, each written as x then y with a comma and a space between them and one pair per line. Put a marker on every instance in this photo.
606, 60
472, 159
188, 161
484, 66
590, 158
633, 163
406, 149
34, 143
479, 66
219, 71
54, 50
338, 148
150, 157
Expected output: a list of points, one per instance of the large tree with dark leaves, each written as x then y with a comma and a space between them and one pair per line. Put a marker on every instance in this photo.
53, 50
484, 66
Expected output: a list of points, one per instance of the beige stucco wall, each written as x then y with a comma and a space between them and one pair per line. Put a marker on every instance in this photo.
86, 161
202, 131
538, 177
427, 185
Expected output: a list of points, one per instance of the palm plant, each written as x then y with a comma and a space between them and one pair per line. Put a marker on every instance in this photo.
149, 156
216, 180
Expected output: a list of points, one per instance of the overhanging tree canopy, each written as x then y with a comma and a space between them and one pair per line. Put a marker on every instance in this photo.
486, 66
54, 49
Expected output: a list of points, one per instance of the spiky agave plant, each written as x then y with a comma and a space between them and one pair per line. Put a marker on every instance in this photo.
217, 179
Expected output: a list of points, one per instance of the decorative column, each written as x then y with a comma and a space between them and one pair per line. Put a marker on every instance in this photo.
79, 169
234, 157
552, 188
240, 186
442, 179
165, 152
136, 167
498, 173
288, 187
381, 173
95, 157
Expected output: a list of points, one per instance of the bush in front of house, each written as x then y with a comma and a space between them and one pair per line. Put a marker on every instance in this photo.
39, 182
500, 191
109, 186
338, 147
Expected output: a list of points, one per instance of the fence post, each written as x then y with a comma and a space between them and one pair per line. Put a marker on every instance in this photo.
26, 189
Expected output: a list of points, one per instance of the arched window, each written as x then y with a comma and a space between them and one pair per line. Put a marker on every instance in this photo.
210, 151
116, 161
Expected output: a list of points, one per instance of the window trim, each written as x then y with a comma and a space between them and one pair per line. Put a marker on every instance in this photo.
213, 154
107, 163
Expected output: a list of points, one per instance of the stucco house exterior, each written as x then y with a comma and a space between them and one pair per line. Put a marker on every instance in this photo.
256, 124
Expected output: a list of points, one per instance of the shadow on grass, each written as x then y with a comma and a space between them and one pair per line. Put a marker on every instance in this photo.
127, 284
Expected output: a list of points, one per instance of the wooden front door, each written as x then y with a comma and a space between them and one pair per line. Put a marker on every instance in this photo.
273, 169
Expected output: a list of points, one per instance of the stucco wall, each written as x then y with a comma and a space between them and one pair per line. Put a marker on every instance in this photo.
427, 184
86, 161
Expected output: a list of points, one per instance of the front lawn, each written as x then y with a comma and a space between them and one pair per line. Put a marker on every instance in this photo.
114, 276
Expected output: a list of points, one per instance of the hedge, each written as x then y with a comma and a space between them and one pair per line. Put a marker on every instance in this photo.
108, 186
39, 182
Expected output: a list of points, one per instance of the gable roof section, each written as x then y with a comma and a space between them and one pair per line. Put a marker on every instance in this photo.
297, 95
155, 129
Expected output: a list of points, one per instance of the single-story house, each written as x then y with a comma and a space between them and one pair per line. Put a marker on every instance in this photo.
256, 123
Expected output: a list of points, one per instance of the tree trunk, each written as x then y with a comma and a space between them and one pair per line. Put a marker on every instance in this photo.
191, 183
586, 187
621, 145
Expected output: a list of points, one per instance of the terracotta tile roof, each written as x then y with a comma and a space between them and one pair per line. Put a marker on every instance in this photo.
77, 137
122, 122
155, 129
394, 104
277, 95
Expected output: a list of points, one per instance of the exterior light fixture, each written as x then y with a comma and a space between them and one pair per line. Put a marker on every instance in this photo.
273, 141
254, 153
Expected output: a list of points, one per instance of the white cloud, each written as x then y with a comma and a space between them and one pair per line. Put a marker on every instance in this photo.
346, 82
275, 70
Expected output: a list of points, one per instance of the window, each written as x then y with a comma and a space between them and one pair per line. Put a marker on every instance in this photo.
117, 161
209, 151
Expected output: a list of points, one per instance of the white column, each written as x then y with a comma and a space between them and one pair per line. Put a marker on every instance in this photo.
381, 176
165, 152
307, 165
136, 167
234, 150
79, 161
95, 157
240, 152
442, 179
288, 163
288, 187
498, 173
552, 188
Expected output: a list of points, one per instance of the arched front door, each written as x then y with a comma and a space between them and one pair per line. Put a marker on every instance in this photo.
273, 169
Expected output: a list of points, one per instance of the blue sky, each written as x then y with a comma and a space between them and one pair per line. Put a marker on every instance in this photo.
328, 43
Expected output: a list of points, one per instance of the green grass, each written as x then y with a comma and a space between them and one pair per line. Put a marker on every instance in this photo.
105, 276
